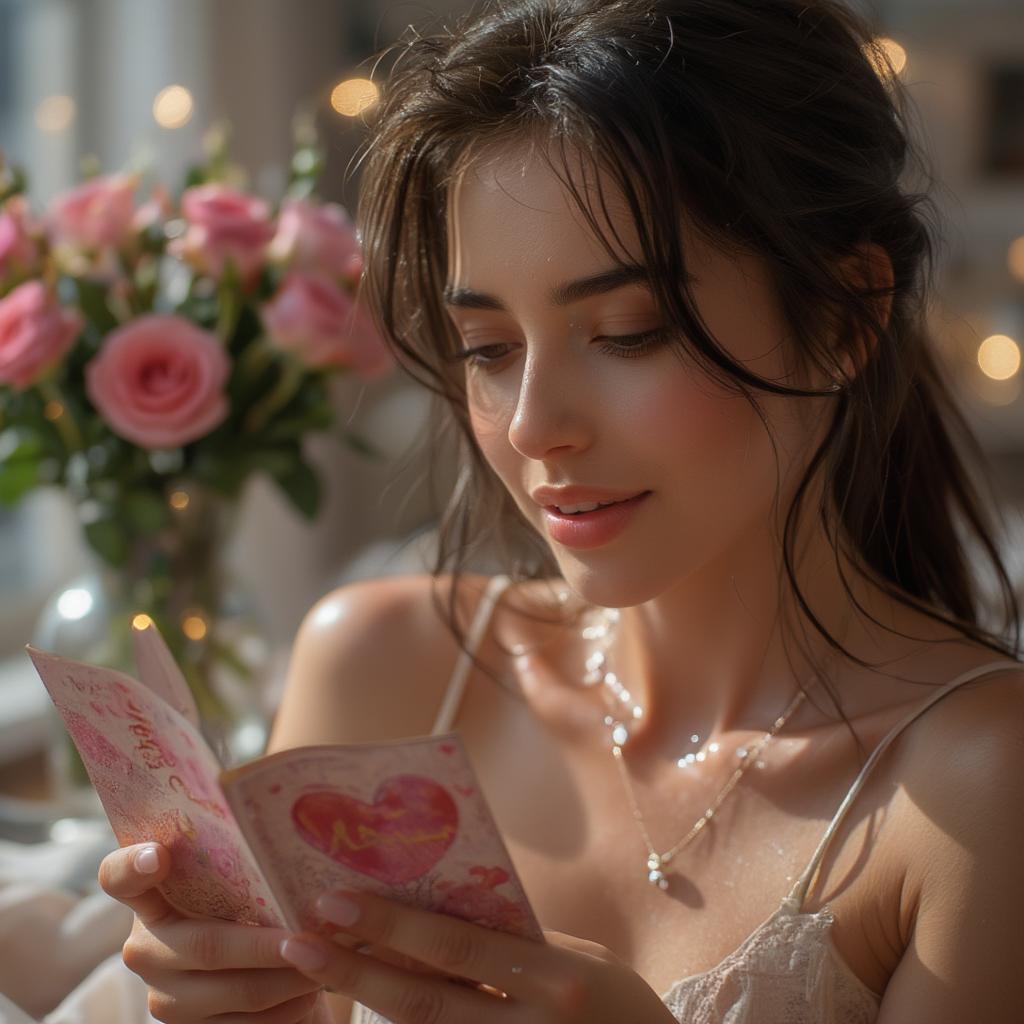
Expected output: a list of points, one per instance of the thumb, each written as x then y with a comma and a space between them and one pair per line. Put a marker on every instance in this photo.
131, 874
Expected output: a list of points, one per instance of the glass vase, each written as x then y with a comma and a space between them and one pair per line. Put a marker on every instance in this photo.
181, 578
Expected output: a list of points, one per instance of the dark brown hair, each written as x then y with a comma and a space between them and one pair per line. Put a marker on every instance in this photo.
777, 128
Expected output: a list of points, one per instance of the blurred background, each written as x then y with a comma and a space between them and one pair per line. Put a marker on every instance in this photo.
124, 81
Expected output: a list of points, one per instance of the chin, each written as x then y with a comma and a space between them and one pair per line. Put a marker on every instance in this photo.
614, 584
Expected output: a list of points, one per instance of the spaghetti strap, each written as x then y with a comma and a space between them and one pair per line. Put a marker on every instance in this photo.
798, 893
457, 683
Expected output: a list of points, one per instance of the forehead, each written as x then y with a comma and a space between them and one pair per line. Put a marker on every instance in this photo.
509, 205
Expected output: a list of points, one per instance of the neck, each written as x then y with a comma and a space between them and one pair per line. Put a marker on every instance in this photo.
710, 656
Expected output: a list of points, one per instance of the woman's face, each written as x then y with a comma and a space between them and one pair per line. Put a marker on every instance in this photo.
558, 398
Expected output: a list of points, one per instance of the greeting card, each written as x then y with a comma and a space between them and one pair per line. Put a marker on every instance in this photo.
259, 842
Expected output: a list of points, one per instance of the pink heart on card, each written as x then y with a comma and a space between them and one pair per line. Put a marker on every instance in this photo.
400, 836
465, 790
447, 748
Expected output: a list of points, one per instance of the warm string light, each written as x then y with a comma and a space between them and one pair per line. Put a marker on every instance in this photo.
173, 107
999, 357
887, 57
351, 97
55, 114
194, 625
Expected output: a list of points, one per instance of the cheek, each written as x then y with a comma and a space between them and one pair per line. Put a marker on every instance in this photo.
685, 416
489, 420
701, 441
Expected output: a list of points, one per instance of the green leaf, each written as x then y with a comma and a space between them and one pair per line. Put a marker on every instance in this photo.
277, 461
292, 428
92, 297
21, 457
109, 540
302, 487
221, 471
146, 512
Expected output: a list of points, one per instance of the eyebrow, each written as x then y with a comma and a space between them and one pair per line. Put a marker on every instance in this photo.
561, 295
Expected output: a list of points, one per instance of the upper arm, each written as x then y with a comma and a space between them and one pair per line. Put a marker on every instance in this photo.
368, 662
965, 951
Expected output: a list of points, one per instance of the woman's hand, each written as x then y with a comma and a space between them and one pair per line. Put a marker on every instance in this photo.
198, 969
501, 977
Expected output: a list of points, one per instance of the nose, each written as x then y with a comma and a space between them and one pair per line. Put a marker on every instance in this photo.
550, 413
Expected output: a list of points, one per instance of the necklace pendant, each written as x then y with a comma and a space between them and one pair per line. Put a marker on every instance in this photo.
654, 873
657, 878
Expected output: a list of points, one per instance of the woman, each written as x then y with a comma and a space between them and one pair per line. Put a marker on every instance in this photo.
657, 258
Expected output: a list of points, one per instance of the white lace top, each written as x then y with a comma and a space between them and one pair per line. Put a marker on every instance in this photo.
787, 971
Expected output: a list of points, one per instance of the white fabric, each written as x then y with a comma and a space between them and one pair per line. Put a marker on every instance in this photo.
61, 935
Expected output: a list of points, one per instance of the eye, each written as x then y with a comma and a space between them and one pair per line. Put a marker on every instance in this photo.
630, 346
483, 355
627, 346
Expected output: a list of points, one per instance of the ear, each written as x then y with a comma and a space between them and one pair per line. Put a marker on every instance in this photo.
867, 269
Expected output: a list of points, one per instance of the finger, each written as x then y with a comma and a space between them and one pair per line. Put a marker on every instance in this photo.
190, 944
450, 944
130, 875
392, 992
201, 994
301, 1010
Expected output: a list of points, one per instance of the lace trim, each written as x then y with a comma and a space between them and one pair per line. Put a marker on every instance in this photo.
787, 969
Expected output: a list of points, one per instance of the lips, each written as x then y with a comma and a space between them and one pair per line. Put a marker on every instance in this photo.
569, 496
593, 529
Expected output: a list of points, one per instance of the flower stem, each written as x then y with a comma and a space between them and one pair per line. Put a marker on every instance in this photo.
65, 424
255, 358
287, 384
228, 313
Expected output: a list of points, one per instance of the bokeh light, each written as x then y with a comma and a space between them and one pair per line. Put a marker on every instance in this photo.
351, 97
999, 357
141, 621
173, 107
55, 114
75, 603
193, 625
893, 51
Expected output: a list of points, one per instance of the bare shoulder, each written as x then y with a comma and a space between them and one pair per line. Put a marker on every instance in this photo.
961, 830
370, 660
972, 728
964, 752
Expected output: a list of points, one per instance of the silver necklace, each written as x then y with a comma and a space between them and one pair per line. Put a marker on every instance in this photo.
598, 671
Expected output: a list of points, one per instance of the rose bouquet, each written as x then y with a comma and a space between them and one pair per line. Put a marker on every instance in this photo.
157, 351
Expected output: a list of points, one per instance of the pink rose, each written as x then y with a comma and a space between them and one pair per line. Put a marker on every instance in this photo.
319, 322
224, 224
95, 215
35, 333
18, 250
159, 381
317, 237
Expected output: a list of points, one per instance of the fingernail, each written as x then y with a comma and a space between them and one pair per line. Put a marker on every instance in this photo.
147, 861
303, 955
338, 909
